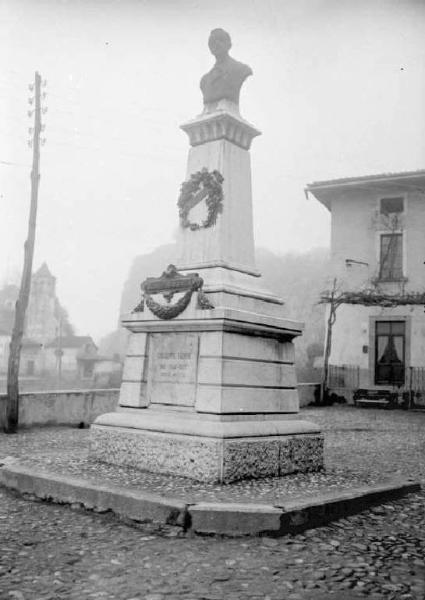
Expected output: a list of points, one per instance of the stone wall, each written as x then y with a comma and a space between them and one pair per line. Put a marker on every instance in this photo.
61, 407
83, 406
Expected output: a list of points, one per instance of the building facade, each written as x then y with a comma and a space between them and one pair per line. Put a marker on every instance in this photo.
45, 320
51, 355
43, 313
378, 275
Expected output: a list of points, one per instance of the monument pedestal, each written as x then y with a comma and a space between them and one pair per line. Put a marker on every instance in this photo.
209, 383
209, 395
206, 449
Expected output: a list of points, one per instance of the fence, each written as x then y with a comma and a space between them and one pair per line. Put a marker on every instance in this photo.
416, 379
415, 387
346, 378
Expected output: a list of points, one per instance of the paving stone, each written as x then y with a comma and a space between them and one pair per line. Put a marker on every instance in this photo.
66, 547
346, 451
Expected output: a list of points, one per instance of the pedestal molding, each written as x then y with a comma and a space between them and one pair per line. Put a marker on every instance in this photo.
175, 423
247, 359
237, 291
217, 320
219, 264
247, 385
220, 125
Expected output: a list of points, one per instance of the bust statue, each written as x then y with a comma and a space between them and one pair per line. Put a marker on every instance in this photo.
225, 79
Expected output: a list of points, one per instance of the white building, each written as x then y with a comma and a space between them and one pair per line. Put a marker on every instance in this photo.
378, 254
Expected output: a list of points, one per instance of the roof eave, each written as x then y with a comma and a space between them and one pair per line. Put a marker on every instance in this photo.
412, 178
325, 201
321, 190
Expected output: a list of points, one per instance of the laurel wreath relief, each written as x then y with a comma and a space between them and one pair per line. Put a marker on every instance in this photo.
170, 283
201, 185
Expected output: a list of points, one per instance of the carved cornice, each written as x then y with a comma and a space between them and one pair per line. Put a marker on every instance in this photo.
220, 125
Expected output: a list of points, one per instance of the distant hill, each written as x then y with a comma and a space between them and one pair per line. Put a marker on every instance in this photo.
297, 278
145, 265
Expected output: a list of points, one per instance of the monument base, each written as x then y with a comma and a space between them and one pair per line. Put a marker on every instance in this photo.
196, 446
218, 361
210, 395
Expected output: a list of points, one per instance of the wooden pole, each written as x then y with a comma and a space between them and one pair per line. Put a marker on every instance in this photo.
12, 402
331, 320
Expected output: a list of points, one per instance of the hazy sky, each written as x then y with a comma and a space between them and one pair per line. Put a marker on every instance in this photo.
338, 90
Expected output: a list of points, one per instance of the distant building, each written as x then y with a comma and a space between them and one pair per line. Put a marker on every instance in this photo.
31, 356
8, 296
45, 319
51, 354
4, 349
71, 354
377, 254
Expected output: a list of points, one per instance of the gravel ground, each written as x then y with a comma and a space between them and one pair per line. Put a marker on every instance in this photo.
361, 447
52, 552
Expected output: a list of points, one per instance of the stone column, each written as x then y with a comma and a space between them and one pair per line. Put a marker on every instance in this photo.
224, 255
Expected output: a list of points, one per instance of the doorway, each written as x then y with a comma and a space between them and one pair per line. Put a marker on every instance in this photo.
390, 352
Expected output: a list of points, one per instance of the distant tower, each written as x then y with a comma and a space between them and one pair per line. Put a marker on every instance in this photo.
42, 316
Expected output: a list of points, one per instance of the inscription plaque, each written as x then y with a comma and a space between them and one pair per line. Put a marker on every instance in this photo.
172, 371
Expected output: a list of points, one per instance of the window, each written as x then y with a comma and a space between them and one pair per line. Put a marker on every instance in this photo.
392, 206
391, 257
30, 367
390, 352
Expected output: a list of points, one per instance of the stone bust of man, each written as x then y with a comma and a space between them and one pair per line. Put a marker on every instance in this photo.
225, 79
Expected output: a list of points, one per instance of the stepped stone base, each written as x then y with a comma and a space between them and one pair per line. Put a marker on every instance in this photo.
210, 395
207, 458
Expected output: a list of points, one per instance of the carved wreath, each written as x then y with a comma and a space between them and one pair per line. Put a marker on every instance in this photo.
170, 283
201, 185
168, 312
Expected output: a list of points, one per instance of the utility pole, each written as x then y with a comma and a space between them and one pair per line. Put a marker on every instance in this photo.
12, 402
333, 305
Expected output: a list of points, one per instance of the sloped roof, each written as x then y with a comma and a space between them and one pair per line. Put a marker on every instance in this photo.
43, 272
71, 341
405, 179
420, 173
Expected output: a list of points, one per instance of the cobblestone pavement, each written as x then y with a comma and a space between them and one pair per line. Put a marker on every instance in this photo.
361, 447
53, 552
